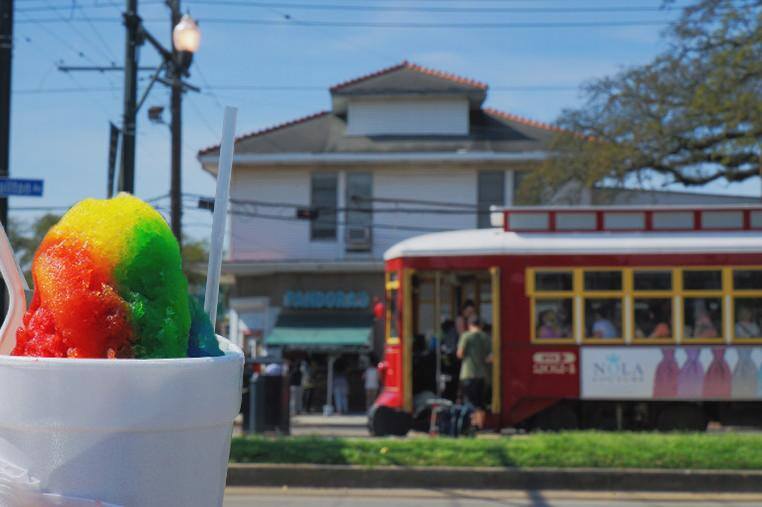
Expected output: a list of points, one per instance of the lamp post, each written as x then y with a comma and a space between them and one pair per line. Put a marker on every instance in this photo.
186, 38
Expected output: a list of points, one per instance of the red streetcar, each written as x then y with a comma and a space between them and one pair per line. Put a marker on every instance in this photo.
615, 318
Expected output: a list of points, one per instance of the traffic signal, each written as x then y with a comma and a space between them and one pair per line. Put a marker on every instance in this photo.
306, 213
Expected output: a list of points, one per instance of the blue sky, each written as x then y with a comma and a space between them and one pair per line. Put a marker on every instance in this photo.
60, 121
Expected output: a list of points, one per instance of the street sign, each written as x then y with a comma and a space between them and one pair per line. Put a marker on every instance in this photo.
16, 186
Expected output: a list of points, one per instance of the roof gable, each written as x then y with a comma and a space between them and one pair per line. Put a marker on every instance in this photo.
405, 77
408, 80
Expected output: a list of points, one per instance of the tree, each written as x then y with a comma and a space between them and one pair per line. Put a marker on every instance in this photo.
195, 255
691, 116
25, 238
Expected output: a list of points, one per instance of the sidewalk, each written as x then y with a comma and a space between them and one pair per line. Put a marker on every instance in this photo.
330, 426
571, 479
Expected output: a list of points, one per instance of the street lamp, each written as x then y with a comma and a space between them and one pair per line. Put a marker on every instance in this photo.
186, 36
175, 62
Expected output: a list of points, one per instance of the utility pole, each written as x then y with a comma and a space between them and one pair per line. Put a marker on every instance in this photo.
129, 121
176, 106
6, 54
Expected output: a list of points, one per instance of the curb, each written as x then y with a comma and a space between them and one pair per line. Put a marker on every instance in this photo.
582, 479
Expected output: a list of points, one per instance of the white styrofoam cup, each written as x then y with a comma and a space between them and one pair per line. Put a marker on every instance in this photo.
128, 432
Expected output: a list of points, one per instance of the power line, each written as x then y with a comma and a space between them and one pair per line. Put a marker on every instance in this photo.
278, 88
97, 5
282, 88
97, 33
434, 9
71, 25
46, 55
44, 91
381, 24
266, 216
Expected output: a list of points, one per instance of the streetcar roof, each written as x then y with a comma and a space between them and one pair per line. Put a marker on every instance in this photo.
498, 242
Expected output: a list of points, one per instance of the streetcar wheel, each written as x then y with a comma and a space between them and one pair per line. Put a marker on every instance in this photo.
385, 421
556, 418
682, 418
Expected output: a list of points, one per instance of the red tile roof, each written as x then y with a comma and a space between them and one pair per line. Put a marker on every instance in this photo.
521, 119
303, 119
413, 66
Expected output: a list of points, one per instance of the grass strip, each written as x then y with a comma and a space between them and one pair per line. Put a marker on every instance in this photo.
722, 451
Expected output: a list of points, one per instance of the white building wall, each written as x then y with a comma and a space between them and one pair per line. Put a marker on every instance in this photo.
404, 117
447, 184
255, 238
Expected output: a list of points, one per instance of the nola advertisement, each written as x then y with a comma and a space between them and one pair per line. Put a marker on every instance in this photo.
699, 372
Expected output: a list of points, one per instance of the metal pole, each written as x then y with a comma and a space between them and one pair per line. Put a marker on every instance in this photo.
132, 23
175, 185
6, 55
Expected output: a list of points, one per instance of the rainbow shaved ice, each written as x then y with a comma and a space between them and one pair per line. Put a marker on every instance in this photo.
109, 284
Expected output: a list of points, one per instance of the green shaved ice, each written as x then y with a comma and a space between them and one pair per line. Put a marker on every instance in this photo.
151, 280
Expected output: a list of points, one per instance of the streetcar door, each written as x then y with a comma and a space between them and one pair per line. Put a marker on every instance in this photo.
435, 299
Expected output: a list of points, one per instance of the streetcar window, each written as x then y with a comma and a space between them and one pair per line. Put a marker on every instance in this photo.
603, 318
653, 318
747, 279
424, 307
392, 313
748, 316
553, 318
553, 281
702, 280
703, 317
603, 280
652, 280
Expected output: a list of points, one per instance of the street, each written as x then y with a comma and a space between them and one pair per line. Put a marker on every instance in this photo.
272, 497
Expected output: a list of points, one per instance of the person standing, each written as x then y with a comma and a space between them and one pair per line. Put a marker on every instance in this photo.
295, 388
466, 311
308, 386
340, 389
370, 376
475, 353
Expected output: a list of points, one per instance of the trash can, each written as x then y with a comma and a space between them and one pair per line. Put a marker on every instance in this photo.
269, 404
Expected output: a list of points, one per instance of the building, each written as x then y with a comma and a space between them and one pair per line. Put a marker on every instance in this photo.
317, 200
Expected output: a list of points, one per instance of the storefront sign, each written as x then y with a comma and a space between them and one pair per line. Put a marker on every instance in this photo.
701, 372
317, 299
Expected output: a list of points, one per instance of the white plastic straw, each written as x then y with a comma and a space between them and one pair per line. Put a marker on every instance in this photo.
221, 199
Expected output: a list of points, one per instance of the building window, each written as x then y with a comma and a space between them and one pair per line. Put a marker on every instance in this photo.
323, 200
359, 214
552, 305
653, 305
491, 192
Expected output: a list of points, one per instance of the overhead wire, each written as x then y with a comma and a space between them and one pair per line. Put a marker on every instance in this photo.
365, 7
87, 40
389, 25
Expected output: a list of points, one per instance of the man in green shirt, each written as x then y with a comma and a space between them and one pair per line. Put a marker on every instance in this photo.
475, 353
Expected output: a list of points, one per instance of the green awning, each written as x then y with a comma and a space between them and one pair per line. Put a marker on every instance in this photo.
321, 331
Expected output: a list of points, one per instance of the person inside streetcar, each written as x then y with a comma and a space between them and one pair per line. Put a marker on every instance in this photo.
603, 328
549, 327
466, 311
475, 352
745, 325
